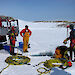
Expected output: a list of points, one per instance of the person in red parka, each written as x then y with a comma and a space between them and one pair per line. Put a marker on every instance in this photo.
25, 33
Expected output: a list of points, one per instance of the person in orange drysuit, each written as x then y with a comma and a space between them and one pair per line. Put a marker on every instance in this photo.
25, 33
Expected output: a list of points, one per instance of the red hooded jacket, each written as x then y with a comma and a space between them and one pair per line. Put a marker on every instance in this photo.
23, 31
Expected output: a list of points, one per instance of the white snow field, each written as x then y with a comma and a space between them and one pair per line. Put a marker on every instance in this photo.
45, 38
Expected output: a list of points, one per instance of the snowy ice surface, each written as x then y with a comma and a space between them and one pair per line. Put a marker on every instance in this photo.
45, 37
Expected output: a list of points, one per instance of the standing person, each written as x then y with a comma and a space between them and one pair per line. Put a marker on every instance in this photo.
25, 33
0, 23
12, 37
72, 39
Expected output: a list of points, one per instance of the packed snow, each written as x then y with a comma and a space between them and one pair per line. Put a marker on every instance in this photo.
45, 38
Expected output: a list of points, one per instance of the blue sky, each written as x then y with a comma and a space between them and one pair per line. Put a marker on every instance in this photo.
34, 10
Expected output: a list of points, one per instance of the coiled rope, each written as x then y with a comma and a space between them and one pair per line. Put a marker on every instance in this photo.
49, 64
16, 60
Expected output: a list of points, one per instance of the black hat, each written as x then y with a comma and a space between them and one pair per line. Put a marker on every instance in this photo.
26, 26
62, 48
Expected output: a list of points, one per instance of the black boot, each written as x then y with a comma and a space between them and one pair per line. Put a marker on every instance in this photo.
29, 46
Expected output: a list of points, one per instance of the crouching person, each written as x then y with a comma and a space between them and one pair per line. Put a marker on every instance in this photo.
62, 55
